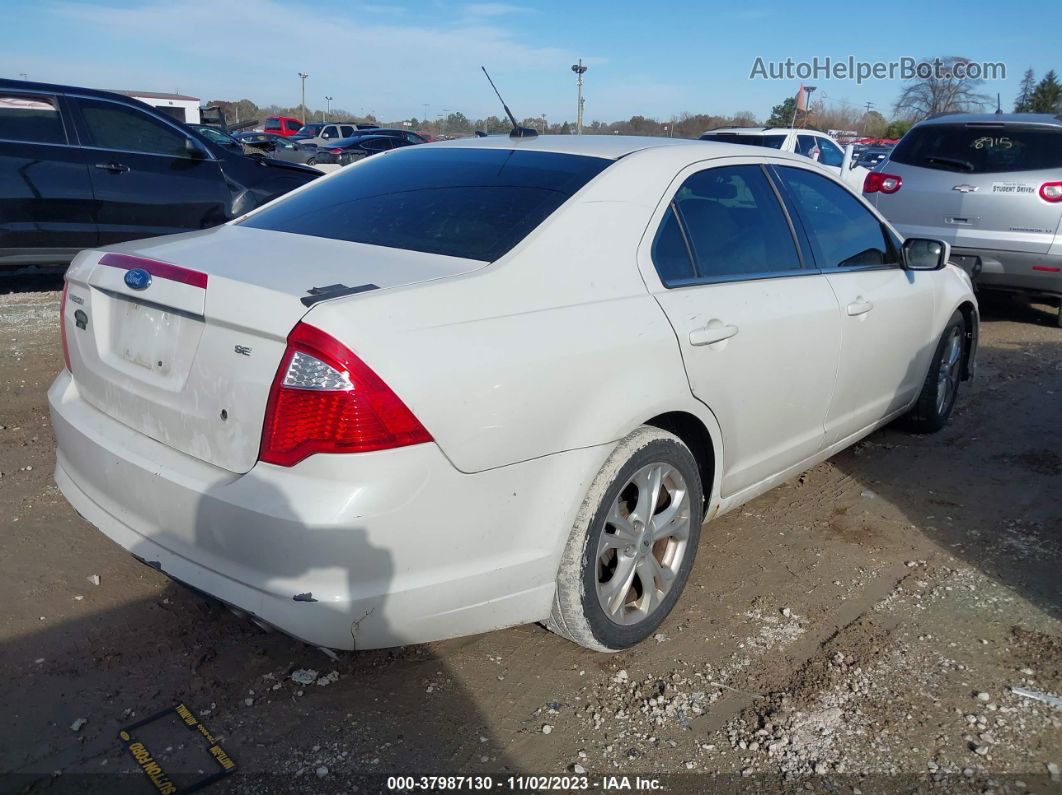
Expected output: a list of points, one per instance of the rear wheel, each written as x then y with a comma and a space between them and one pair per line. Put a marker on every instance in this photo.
937, 399
312, 161
633, 544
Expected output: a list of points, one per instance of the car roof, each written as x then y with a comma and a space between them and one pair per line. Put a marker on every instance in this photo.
611, 147
763, 130
994, 118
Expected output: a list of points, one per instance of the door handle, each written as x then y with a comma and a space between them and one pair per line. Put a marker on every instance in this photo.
710, 334
860, 306
114, 168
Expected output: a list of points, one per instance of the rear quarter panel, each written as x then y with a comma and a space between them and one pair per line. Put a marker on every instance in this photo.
556, 346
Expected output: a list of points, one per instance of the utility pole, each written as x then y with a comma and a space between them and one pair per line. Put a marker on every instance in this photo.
328, 104
303, 76
579, 70
866, 112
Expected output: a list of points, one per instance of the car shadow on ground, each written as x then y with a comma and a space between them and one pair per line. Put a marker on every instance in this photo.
32, 280
368, 715
1010, 526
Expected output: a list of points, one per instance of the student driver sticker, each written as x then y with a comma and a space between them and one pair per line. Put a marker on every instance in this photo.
1013, 189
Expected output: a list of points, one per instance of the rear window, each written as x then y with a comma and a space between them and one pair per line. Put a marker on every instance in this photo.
980, 149
272, 124
471, 203
770, 141
33, 119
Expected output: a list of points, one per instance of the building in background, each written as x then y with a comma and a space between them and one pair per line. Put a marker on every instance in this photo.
179, 106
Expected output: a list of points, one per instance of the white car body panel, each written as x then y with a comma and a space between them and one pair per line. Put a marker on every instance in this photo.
525, 371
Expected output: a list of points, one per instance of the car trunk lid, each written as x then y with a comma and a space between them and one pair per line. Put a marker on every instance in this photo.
188, 358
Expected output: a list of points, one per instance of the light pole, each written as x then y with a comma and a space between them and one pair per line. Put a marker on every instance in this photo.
807, 102
328, 104
579, 70
23, 75
303, 76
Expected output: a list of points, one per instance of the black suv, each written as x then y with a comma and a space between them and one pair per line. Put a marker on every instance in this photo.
81, 168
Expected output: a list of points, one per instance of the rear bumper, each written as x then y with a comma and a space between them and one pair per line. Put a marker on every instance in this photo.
359, 551
1017, 270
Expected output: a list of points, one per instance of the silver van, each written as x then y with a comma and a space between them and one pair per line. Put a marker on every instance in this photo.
988, 184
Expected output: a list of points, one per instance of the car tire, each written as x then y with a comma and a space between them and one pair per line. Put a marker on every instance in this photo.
600, 602
941, 387
311, 161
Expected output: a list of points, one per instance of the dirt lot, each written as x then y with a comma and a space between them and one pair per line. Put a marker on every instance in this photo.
860, 628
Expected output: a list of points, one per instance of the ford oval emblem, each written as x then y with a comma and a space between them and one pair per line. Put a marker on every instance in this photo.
137, 279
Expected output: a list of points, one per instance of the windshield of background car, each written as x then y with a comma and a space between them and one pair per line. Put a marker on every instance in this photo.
981, 149
470, 203
770, 141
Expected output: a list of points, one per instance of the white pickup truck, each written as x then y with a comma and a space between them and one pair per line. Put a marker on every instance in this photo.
811, 143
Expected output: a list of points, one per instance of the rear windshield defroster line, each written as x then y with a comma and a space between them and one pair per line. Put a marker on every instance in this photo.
470, 203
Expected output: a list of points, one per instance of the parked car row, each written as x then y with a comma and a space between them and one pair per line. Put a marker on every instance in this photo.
81, 168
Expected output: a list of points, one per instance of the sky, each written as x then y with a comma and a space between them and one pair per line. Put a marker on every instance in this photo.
402, 58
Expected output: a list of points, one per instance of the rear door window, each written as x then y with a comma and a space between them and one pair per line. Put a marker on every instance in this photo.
114, 126
733, 224
808, 146
347, 130
34, 119
471, 203
843, 232
984, 149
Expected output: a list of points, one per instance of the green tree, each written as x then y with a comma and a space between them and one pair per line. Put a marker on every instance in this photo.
1023, 104
1047, 96
782, 115
898, 128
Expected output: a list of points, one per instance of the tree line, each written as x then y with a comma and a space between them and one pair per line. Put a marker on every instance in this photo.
919, 98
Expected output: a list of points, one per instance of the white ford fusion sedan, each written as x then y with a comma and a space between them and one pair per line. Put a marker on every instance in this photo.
463, 386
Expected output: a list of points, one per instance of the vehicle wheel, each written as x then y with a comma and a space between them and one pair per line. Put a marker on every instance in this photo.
1058, 317
632, 547
312, 161
937, 399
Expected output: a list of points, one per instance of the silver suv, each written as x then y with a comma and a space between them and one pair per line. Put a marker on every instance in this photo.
988, 184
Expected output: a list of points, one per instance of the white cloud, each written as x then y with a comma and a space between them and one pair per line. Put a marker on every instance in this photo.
364, 61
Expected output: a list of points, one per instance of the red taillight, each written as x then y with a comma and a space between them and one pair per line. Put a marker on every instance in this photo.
885, 183
326, 400
335, 151
62, 328
1051, 192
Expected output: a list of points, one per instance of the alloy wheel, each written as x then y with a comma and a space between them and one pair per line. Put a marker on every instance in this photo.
643, 544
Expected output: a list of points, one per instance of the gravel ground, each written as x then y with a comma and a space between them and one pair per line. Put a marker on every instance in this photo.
861, 628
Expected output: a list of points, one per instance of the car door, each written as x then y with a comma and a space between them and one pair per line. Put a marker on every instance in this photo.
758, 331
885, 310
45, 190
149, 177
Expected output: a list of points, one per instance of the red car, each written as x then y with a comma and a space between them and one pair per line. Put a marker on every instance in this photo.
282, 125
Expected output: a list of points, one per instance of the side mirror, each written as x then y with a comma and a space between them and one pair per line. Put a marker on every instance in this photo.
193, 150
923, 254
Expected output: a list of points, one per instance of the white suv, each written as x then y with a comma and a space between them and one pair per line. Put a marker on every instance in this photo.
810, 143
